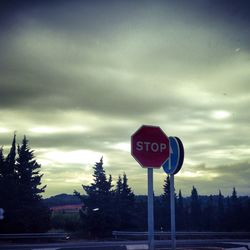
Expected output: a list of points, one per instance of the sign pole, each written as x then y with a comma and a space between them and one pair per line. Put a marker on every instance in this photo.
172, 197
150, 210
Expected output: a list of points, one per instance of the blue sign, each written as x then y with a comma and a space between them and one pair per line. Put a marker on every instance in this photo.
176, 157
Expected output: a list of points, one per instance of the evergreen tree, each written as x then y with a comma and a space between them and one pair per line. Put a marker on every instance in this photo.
8, 191
28, 174
101, 187
34, 216
118, 189
127, 205
228, 214
246, 215
195, 210
180, 213
24, 209
97, 212
208, 220
166, 189
1, 162
118, 201
127, 193
10, 160
220, 213
235, 211
165, 205
2, 167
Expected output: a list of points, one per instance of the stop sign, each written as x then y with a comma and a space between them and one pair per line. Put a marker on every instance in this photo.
150, 146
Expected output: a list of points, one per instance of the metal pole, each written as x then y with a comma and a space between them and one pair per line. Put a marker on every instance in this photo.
150, 210
173, 233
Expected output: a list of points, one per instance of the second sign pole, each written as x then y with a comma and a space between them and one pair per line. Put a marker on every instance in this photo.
172, 202
150, 210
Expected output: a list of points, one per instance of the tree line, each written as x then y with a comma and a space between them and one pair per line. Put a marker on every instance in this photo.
204, 213
107, 207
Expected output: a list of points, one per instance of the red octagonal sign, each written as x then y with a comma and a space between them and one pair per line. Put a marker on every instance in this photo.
150, 146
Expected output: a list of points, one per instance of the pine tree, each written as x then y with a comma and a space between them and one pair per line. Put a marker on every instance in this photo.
97, 212
195, 210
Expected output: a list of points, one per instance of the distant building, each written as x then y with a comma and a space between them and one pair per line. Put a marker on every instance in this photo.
67, 208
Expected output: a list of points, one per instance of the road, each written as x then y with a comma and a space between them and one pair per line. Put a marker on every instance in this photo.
126, 245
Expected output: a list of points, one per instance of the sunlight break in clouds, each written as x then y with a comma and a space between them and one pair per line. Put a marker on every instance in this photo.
123, 146
221, 114
73, 157
4, 130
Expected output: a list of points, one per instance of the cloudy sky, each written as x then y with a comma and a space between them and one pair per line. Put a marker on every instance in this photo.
80, 77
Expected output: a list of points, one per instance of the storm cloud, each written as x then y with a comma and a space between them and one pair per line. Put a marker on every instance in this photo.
78, 78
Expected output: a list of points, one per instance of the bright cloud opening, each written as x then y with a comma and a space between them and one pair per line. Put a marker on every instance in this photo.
122, 146
221, 114
4, 130
73, 157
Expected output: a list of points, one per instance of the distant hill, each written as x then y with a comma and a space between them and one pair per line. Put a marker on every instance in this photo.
61, 199
70, 199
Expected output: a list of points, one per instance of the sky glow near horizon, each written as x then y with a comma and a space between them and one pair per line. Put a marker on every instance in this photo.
78, 78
